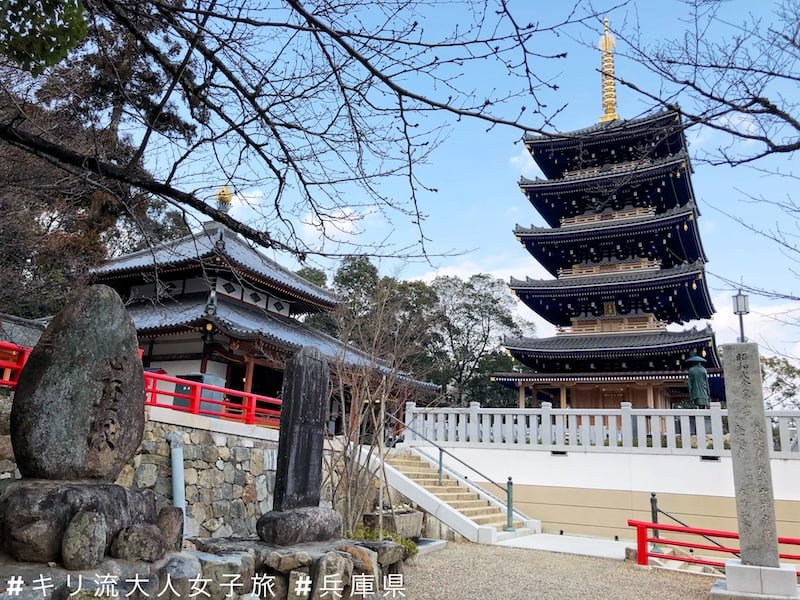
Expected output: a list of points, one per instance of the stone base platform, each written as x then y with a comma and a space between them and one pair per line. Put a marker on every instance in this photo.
752, 581
35, 513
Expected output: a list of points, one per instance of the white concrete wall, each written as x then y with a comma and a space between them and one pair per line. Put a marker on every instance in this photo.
626, 472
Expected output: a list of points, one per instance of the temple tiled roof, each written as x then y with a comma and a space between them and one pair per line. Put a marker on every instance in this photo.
246, 323
671, 237
634, 170
658, 277
20, 331
610, 128
217, 241
610, 227
649, 341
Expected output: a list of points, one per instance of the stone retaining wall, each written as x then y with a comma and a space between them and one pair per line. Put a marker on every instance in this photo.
229, 479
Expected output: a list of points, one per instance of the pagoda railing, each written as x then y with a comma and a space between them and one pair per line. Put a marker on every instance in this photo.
701, 432
605, 269
165, 391
619, 215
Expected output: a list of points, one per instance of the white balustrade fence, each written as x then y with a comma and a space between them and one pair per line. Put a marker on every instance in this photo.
701, 432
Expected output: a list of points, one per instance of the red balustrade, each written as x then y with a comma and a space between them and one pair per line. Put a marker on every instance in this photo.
161, 391
644, 552
12, 359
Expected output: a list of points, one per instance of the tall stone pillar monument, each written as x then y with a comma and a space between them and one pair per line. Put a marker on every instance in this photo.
758, 573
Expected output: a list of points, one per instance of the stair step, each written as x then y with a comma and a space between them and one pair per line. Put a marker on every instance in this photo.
424, 475
447, 486
466, 504
447, 496
490, 519
479, 511
398, 463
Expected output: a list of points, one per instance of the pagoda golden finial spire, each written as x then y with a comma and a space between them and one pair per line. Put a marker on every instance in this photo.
609, 83
224, 197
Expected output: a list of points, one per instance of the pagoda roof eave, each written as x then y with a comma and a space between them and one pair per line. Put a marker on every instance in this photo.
549, 245
631, 172
608, 129
608, 226
609, 377
660, 276
574, 344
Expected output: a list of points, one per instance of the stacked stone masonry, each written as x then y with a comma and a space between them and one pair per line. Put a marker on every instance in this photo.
229, 479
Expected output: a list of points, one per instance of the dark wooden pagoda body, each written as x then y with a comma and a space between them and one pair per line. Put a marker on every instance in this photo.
623, 244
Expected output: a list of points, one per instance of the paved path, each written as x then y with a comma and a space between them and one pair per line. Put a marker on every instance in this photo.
570, 544
477, 572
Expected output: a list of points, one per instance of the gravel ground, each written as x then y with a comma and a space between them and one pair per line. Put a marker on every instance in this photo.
475, 572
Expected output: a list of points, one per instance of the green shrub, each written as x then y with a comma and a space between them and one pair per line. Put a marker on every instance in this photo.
371, 535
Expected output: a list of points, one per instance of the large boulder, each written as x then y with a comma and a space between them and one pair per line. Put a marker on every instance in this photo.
78, 410
84, 543
299, 525
34, 514
139, 542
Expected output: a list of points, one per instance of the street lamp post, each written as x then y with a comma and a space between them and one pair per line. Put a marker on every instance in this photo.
741, 307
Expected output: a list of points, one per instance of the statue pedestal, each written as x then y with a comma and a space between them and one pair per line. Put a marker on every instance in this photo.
752, 581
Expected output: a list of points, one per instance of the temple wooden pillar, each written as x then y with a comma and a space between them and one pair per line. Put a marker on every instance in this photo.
248, 373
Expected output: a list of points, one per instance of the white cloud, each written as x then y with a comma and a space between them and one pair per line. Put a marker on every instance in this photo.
775, 327
246, 205
523, 162
341, 225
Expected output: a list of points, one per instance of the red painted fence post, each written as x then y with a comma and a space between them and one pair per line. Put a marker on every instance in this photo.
194, 401
641, 545
249, 409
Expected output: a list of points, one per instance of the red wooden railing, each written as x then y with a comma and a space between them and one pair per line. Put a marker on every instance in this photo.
234, 405
12, 359
644, 552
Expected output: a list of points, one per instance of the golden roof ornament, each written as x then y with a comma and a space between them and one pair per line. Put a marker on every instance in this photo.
224, 198
606, 45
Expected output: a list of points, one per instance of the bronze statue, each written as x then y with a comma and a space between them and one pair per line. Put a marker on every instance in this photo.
698, 382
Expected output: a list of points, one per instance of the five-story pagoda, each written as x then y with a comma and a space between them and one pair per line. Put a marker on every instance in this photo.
623, 244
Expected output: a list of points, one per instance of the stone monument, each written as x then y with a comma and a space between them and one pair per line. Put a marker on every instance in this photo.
76, 419
296, 516
758, 573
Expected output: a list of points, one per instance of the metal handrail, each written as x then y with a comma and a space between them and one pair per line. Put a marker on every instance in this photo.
508, 488
655, 510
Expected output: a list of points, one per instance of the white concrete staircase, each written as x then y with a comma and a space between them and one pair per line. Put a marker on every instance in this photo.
462, 506
681, 565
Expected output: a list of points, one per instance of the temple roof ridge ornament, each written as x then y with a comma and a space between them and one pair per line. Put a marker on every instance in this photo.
609, 84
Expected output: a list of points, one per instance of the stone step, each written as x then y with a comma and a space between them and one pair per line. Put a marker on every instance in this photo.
478, 511
398, 463
447, 496
434, 480
464, 504
417, 473
490, 519
434, 487
403, 458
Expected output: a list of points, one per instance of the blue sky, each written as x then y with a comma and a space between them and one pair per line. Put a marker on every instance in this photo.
478, 201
